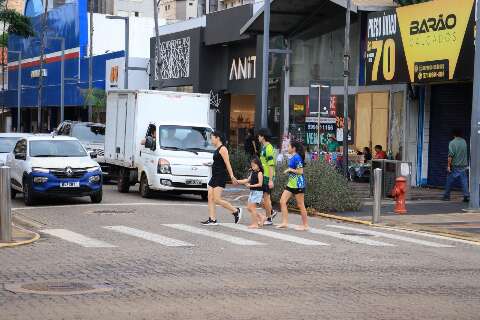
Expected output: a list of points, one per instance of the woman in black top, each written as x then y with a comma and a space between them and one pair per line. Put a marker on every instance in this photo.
220, 168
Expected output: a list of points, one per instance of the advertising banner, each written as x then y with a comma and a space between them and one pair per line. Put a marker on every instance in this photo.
427, 42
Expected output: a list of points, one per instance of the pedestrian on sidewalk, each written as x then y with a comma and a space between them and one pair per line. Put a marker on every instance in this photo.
221, 168
295, 186
457, 165
267, 157
255, 184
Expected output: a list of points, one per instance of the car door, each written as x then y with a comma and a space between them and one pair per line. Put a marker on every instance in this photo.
148, 155
18, 163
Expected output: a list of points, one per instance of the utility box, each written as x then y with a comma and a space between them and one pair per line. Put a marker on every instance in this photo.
391, 169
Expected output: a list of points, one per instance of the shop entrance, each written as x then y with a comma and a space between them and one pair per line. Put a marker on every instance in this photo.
242, 117
372, 120
450, 108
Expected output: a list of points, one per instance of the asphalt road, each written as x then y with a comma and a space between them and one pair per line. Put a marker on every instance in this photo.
158, 262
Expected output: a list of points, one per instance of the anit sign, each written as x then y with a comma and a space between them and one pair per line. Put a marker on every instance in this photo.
243, 68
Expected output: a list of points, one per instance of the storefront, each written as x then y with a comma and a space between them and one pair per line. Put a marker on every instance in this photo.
429, 47
209, 55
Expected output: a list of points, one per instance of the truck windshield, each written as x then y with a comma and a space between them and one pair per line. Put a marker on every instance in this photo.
7, 144
89, 133
56, 148
186, 138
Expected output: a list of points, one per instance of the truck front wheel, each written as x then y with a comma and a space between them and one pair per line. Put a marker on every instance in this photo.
145, 190
123, 182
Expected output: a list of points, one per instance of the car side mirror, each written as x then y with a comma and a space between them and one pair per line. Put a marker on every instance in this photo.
149, 143
93, 155
20, 156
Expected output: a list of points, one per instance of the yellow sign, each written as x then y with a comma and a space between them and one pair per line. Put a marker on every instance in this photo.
434, 31
298, 107
431, 41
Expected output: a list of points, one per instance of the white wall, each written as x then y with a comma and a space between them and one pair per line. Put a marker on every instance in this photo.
109, 35
137, 79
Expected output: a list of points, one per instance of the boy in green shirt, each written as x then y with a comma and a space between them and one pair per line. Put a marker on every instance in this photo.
267, 157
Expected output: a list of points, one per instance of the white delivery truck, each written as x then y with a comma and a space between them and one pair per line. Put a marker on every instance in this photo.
159, 139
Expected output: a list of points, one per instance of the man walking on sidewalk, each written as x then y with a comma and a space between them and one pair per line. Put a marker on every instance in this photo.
457, 165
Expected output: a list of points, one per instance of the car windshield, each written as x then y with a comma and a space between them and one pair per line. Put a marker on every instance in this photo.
89, 133
186, 138
7, 144
56, 148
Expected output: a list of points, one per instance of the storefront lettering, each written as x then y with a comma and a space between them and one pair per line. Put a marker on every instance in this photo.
243, 68
382, 26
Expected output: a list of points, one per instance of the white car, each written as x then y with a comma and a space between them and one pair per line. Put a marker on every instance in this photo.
7, 143
53, 166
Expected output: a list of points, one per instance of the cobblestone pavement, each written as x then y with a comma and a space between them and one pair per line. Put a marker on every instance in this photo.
346, 272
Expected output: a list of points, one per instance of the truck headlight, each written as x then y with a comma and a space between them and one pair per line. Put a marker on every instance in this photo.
164, 167
39, 180
94, 179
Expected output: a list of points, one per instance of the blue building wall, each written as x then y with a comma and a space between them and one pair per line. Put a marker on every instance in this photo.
70, 22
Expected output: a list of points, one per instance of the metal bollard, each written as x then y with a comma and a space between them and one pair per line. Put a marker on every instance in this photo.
5, 205
377, 195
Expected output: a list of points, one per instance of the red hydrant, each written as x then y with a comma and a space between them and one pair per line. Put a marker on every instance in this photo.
399, 192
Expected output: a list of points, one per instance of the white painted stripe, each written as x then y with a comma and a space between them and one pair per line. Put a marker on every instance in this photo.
429, 235
212, 234
125, 204
356, 239
275, 235
46, 56
77, 238
169, 242
393, 236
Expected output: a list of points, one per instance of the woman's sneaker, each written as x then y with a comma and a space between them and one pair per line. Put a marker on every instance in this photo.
238, 215
210, 222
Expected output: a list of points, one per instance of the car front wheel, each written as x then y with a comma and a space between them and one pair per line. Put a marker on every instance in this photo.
97, 197
145, 190
28, 196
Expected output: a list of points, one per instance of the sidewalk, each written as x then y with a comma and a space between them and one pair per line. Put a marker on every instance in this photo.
425, 215
20, 236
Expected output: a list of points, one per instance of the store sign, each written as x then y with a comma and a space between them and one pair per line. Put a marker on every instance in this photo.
327, 126
427, 42
36, 73
114, 77
243, 68
319, 98
174, 58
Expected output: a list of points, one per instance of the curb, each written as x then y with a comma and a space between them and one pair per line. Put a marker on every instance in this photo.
35, 237
443, 233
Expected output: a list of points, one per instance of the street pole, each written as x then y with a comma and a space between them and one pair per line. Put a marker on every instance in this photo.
377, 192
346, 78
157, 43
266, 55
19, 90
40, 79
90, 63
62, 84
127, 47
475, 127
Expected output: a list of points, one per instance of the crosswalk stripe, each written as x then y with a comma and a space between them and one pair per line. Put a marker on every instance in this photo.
213, 234
169, 242
275, 235
77, 238
393, 236
349, 238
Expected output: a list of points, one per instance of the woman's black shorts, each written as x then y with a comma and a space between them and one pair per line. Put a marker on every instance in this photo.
295, 190
218, 181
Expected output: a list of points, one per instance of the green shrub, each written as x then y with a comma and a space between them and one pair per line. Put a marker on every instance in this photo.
240, 162
327, 190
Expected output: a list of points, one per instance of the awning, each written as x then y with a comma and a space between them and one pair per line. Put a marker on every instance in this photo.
291, 18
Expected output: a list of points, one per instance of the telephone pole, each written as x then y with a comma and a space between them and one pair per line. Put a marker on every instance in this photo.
90, 63
346, 78
42, 55
157, 42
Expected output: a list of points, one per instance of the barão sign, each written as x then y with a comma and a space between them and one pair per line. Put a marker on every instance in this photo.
427, 42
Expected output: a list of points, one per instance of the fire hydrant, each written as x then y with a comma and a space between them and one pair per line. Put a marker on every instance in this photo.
399, 192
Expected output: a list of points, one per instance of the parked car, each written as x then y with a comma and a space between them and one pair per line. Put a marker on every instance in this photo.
91, 135
7, 143
53, 166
